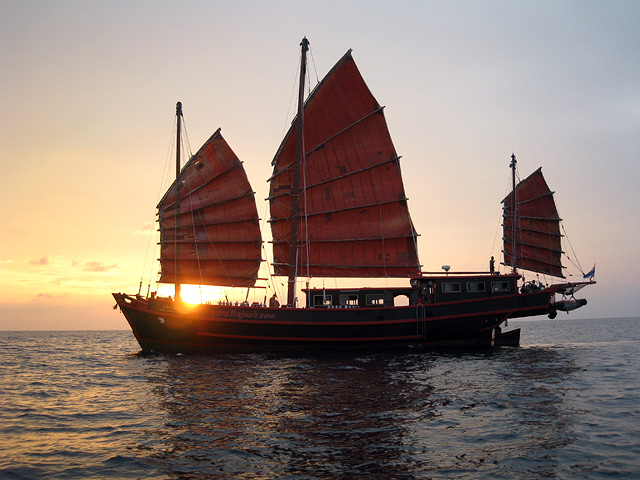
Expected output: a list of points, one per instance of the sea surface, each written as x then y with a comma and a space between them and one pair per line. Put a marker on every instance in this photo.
85, 405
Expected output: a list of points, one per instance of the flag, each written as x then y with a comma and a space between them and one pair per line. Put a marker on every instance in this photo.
590, 273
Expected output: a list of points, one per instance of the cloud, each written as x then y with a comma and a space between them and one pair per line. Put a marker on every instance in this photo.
42, 261
147, 227
45, 298
98, 267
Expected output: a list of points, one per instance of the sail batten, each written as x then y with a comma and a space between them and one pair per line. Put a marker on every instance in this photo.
200, 184
214, 224
546, 219
352, 204
345, 130
537, 243
524, 244
369, 258
209, 228
356, 239
325, 181
345, 209
534, 199
171, 208
206, 242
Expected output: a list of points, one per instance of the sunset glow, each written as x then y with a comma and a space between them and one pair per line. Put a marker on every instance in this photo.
194, 293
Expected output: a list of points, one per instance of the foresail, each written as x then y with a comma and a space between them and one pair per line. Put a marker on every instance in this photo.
353, 214
537, 233
211, 236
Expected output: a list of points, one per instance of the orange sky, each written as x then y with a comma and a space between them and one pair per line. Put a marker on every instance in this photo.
88, 91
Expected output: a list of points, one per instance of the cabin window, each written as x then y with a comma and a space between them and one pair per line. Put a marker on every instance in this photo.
475, 287
400, 300
350, 300
451, 287
375, 299
320, 300
500, 286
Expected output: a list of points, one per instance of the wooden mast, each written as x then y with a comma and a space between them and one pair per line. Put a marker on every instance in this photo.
513, 213
295, 193
178, 289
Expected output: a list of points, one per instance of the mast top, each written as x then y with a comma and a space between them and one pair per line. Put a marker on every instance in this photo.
304, 44
179, 109
514, 218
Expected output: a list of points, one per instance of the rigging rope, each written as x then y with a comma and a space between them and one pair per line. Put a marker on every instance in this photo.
304, 192
313, 61
577, 262
270, 274
186, 135
191, 210
515, 228
163, 186
506, 191
293, 91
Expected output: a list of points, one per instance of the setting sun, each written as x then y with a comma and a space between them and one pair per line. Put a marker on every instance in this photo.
194, 293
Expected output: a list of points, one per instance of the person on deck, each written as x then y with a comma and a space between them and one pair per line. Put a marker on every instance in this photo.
273, 301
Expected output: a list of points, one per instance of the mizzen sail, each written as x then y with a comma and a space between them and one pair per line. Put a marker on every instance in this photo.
353, 219
536, 236
211, 234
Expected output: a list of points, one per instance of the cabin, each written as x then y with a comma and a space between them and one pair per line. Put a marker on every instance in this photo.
358, 297
440, 288
460, 287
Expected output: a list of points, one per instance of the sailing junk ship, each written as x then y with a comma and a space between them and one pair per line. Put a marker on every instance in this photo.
338, 209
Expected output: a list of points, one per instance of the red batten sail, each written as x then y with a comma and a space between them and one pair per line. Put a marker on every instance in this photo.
212, 235
353, 214
537, 232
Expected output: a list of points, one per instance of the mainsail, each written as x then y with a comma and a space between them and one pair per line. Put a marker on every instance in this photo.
352, 211
537, 228
211, 236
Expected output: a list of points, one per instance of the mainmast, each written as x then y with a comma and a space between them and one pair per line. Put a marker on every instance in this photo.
513, 164
178, 293
295, 193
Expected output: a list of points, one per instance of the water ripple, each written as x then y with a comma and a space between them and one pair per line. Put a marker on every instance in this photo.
82, 405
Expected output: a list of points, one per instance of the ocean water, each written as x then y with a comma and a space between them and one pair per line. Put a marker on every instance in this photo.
83, 405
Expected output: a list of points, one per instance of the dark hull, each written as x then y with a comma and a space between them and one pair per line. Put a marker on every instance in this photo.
162, 325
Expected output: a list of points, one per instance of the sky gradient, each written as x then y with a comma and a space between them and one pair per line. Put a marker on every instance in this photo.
89, 89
